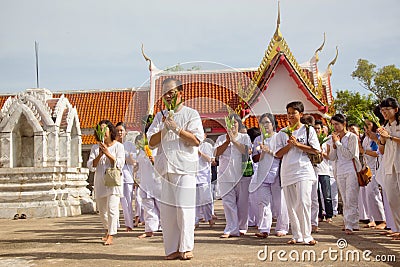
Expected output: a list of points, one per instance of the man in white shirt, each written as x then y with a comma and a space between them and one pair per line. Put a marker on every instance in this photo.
177, 135
297, 173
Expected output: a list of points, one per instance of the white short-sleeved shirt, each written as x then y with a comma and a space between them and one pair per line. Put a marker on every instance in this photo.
391, 157
117, 151
127, 171
268, 166
174, 155
230, 162
204, 174
296, 166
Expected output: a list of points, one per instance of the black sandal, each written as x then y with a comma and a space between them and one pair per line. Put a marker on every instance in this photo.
16, 216
23, 216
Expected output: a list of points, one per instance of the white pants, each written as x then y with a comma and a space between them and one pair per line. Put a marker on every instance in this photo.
253, 209
126, 204
138, 205
374, 202
334, 195
349, 190
388, 213
362, 204
151, 212
109, 212
204, 202
178, 212
271, 200
314, 204
236, 206
392, 189
298, 200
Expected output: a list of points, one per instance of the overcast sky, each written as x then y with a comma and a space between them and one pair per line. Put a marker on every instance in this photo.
95, 44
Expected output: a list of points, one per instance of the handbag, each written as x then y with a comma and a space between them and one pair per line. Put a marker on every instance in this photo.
314, 158
112, 176
247, 165
364, 176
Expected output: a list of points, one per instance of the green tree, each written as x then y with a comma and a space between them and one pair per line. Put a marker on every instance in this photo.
382, 83
178, 67
352, 104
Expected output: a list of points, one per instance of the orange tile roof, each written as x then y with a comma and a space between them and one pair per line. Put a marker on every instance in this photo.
208, 93
115, 106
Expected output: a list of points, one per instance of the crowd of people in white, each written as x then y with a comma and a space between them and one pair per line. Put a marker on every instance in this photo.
171, 182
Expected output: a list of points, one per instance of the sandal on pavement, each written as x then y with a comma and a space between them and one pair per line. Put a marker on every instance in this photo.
280, 234
173, 256
16, 216
292, 242
23, 216
381, 226
225, 236
348, 232
312, 243
261, 235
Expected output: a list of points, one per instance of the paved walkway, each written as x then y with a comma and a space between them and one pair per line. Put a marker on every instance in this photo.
75, 241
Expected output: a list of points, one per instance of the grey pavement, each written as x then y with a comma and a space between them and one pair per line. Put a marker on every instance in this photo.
75, 241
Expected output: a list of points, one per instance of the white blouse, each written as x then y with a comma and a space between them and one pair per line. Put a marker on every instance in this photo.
117, 151
230, 162
391, 156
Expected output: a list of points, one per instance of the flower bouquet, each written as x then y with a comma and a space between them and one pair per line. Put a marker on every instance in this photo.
322, 138
143, 144
229, 122
373, 118
264, 134
100, 133
289, 130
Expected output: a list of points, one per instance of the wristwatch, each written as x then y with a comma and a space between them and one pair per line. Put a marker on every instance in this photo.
177, 130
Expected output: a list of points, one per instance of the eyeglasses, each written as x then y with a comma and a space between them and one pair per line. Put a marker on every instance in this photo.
386, 108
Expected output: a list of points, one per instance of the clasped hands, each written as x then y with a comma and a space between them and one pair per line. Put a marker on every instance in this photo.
292, 141
170, 124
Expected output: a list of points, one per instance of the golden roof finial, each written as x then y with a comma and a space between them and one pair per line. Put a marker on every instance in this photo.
278, 35
319, 49
146, 58
333, 62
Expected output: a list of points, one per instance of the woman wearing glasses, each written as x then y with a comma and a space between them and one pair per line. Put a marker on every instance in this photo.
389, 146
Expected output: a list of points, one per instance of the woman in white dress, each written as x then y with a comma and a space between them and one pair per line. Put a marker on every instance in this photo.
374, 203
389, 146
104, 155
127, 174
345, 153
267, 186
234, 187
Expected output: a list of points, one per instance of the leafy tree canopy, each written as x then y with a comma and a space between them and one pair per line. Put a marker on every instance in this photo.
382, 83
352, 104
